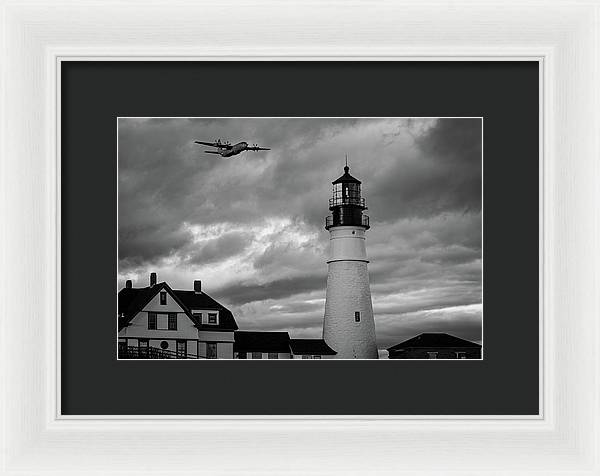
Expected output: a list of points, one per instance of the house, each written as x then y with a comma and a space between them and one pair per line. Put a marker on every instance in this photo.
311, 349
159, 322
435, 346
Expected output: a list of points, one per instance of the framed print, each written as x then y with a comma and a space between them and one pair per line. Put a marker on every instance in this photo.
385, 263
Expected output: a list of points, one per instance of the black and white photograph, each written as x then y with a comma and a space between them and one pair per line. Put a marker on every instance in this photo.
300, 238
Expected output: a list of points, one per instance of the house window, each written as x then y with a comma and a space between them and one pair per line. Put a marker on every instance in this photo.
211, 350
197, 316
242, 355
432, 355
151, 320
357, 316
143, 348
172, 321
306, 356
461, 355
316, 356
273, 355
257, 355
212, 318
163, 298
181, 349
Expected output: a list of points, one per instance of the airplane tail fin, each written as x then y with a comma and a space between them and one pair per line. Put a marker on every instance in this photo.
211, 152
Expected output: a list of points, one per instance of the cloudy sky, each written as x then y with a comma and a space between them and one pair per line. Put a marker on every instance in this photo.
251, 227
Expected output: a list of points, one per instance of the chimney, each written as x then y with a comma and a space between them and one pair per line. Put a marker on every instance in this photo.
197, 286
128, 284
152, 279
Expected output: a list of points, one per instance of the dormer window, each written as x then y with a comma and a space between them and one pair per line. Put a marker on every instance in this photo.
206, 317
163, 298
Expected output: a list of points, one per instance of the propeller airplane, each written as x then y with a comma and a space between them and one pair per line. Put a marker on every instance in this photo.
225, 149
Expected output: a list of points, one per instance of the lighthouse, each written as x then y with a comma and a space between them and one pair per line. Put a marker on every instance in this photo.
348, 325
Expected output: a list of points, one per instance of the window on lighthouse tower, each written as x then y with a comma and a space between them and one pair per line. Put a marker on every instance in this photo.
357, 316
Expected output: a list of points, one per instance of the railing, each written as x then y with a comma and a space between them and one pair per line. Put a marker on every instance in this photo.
336, 201
364, 222
133, 352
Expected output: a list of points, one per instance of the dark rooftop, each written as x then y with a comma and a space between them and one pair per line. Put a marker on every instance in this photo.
346, 178
256, 341
133, 299
311, 346
201, 300
431, 339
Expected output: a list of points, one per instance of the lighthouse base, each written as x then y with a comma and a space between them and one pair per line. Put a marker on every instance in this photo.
348, 325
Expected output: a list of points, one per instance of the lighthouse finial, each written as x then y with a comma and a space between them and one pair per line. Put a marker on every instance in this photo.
346, 168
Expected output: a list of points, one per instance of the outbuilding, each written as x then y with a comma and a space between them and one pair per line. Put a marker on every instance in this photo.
430, 345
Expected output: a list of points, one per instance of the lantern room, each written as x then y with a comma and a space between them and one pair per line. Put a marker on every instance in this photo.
346, 203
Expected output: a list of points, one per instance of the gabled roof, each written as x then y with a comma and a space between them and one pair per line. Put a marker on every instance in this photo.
431, 339
133, 300
201, 300
311, 346
346, 178
256, 341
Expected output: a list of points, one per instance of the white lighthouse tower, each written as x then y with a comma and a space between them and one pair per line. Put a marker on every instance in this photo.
348, 326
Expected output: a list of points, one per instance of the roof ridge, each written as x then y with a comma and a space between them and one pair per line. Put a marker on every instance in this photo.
449, 340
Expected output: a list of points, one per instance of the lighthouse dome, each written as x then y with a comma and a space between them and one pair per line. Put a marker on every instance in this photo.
346, 178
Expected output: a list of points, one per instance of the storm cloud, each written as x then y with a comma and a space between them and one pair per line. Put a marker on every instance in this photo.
252, 226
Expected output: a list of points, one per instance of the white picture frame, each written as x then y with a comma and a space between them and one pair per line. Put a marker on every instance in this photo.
562, 36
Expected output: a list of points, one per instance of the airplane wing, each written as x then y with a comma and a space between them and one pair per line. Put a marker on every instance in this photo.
211, 152
220, 145
256, 148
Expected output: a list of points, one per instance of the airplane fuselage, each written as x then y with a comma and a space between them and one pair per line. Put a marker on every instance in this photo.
235, 149
225, 149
